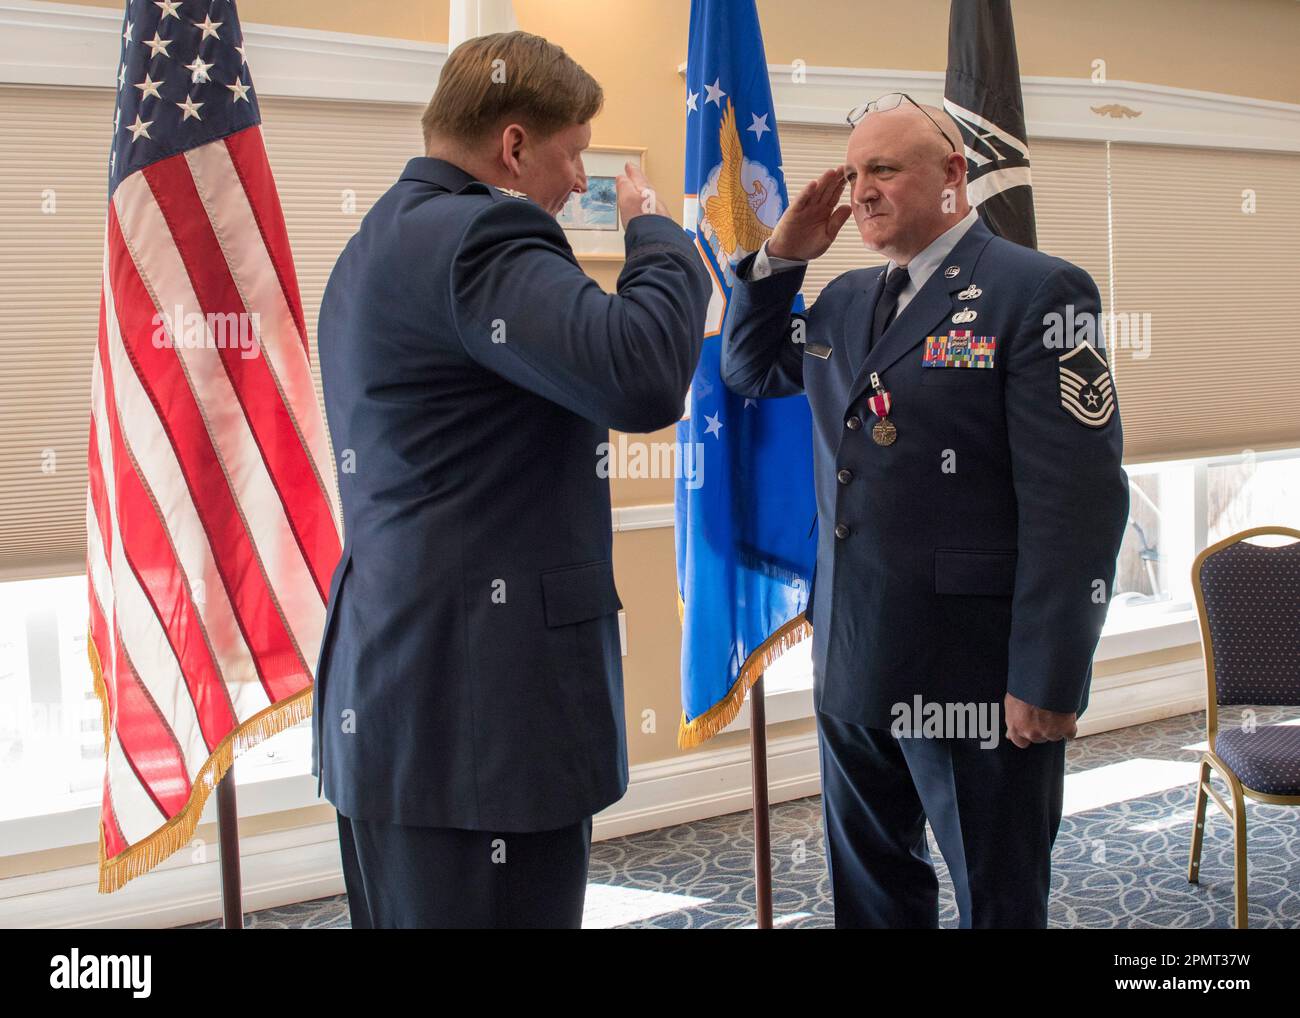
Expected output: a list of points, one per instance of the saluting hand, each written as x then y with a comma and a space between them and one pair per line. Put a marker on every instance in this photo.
813, 220
1028, 724
636, 195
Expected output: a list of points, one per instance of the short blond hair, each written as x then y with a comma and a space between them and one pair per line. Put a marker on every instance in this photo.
508, 75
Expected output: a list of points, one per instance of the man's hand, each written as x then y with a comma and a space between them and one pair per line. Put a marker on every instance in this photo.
1027, 724
636, 195
806, 229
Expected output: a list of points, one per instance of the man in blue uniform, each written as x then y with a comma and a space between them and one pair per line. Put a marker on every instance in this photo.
469, 703
971, 506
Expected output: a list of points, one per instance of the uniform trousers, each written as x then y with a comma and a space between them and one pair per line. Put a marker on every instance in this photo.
995, 813
400, 876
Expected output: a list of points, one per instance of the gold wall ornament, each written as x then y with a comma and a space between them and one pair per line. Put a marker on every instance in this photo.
1116, 110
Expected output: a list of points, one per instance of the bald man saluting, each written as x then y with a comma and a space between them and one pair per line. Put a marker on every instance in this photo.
971, 505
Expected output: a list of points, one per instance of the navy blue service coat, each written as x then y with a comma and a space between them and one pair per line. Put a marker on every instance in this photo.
470, 673
976, 554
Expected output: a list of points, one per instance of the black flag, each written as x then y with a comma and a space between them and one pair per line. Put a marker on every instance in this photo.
982, 93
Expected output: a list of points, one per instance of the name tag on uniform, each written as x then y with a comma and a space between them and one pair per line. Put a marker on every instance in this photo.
959, 349
818, 350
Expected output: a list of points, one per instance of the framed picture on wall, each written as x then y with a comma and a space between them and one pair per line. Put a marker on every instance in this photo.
591, 219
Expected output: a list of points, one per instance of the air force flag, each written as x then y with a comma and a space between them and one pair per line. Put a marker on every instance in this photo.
745, 545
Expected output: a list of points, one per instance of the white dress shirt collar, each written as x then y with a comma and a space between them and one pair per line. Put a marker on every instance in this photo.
922, 267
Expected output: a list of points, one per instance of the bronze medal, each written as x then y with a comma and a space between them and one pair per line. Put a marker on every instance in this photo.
883, 431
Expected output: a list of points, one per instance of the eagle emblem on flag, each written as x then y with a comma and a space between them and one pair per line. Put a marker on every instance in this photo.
741, 201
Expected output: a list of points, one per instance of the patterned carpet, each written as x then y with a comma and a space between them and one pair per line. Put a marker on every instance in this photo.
1120, 859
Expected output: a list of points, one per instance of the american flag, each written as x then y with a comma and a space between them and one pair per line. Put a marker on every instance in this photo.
211, 513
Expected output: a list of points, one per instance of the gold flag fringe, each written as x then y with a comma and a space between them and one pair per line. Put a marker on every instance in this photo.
143, 856
722, 713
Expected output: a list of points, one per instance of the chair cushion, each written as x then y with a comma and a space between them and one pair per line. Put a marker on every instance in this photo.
1267, 759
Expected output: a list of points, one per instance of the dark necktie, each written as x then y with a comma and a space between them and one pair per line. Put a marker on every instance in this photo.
885, 307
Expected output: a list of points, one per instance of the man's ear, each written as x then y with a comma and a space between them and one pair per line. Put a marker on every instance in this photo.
513, 140
955, 171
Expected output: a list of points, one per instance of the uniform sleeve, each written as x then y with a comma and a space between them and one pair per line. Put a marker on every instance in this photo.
1072, 502
526, 311
765, 264
762, 340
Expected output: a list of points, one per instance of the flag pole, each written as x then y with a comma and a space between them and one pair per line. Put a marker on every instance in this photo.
762, 816
232, 908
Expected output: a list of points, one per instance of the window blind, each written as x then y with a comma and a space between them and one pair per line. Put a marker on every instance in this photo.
1217, 286
331, 161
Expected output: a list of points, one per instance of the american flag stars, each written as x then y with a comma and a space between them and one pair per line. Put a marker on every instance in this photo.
209, 28
190, 109
158, 45
148, 87
140, 129
198, 71
185, 64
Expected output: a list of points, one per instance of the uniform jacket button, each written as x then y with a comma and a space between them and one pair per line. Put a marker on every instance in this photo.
841, 531
853, 423
844, 476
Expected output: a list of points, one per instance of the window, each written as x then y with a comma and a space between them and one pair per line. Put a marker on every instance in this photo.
51, 724
51, 728
1177, 509
1153, 573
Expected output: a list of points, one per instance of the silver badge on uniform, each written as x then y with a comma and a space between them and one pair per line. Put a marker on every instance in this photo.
512, 192
1087, 394
970, 293
964, 316
951, 271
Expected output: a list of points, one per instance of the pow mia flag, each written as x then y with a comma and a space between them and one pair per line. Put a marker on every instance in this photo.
982, 93
1086, 390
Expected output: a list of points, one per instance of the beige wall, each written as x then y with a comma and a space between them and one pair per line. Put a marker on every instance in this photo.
419, 20
1241, 47
1244, 47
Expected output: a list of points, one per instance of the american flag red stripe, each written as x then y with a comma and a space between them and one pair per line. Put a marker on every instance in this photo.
249, 157
149, 554
213, 461
147, 741
289, 467
212, 528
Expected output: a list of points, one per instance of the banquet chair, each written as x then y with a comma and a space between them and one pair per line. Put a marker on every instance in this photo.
1248, 600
